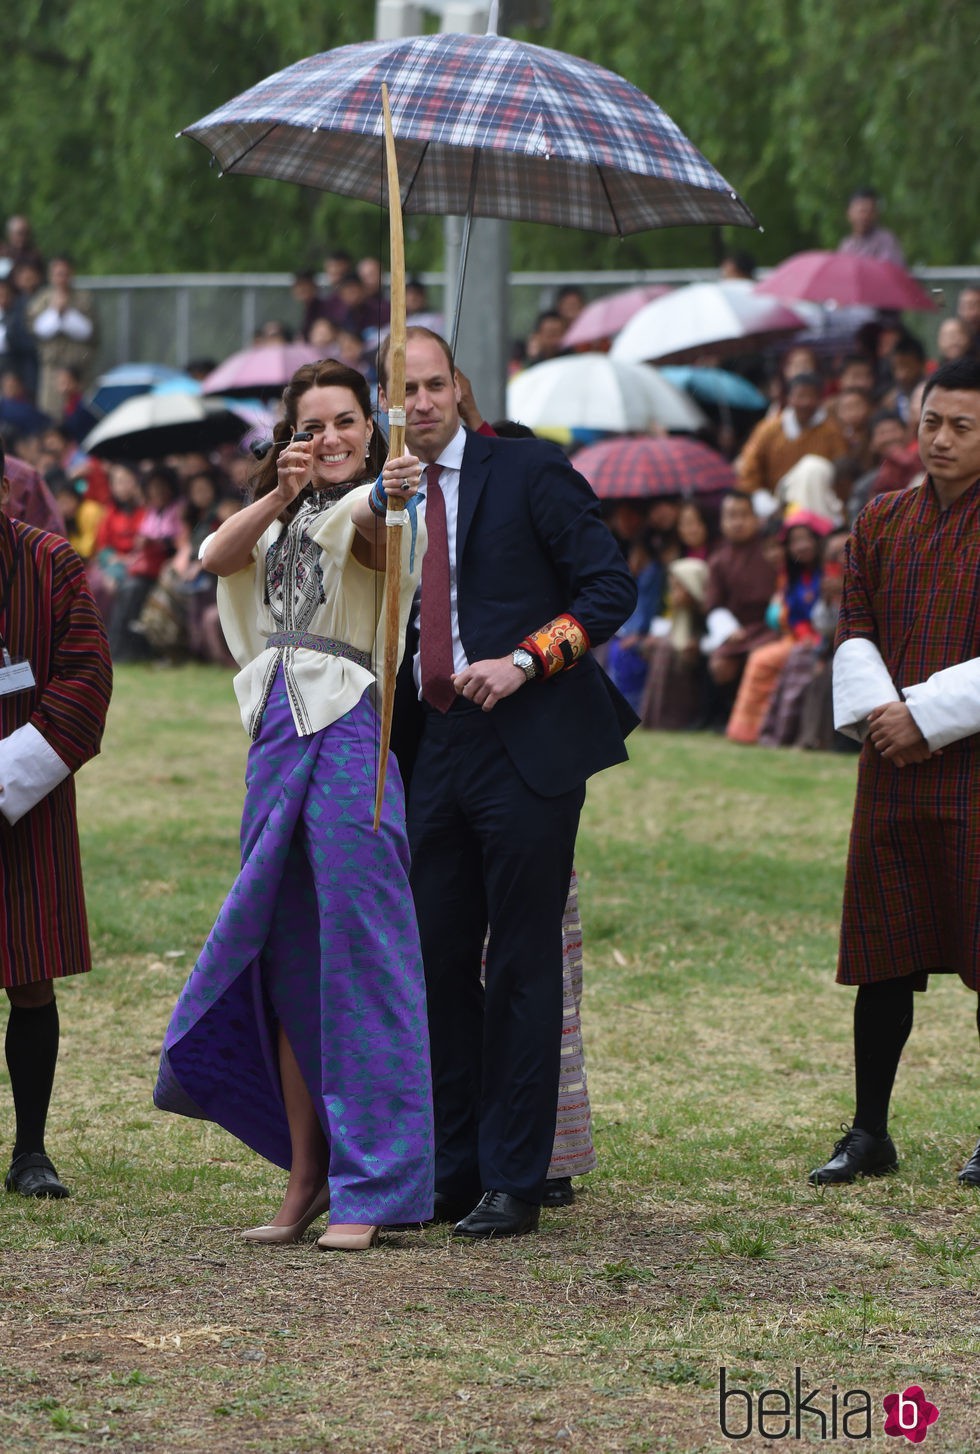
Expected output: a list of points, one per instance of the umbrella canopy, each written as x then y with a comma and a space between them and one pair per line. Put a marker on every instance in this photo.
716, 386
592, 391
845, 279
484, 126
604, 317
723, 317
829, 329
126, 381
261, 371
150, 425
636, 469
179, 384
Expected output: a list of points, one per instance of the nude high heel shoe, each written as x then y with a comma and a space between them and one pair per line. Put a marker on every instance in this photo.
348, 1237
272, 1234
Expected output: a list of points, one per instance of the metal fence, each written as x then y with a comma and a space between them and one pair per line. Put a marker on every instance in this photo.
173, 318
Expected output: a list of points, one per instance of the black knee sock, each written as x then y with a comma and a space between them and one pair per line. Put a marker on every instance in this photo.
882, 1023
32, 1054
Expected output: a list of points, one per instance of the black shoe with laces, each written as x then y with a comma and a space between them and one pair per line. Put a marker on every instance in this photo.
970, 1175
498, 1214
857, 1153
558, 1192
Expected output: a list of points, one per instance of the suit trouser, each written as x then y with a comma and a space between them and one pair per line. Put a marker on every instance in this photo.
488, 850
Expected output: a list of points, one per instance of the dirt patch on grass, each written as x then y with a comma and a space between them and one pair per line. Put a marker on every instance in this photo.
603, 1333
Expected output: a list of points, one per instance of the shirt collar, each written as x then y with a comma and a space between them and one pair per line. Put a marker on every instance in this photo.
452, 456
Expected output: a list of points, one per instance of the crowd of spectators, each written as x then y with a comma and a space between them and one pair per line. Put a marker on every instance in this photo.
738, 595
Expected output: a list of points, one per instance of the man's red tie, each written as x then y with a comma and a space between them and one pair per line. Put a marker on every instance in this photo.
435, 619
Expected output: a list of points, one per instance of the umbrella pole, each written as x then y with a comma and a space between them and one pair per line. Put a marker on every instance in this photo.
463, 253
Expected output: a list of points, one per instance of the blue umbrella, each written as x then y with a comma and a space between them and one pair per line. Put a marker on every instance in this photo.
125, 382
178, 384
715, 386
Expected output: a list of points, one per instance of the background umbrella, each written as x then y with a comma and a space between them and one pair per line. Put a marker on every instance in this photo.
125, 382
604, 317
151, 425
716, 386
829, 330
845, 279
591, 391
636, 469
261, 371
484, 126
721, 317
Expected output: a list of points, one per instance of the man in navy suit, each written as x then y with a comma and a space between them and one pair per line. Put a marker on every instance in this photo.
510, 714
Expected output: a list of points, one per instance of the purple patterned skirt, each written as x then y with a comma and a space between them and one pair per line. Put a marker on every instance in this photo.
319, 935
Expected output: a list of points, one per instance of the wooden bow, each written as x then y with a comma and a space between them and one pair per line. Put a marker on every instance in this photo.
395, 391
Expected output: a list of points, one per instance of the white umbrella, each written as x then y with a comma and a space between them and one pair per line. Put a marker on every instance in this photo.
151, 425
720, 317
593, 391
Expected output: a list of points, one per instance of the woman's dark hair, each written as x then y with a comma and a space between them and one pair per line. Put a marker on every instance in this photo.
167, 476
328, 373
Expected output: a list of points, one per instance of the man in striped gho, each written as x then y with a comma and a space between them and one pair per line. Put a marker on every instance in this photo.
55, 682
907, 684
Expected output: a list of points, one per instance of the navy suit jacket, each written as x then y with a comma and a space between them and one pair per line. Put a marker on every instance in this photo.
530, 545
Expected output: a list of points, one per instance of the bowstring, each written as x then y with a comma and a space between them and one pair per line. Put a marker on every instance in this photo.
378, 522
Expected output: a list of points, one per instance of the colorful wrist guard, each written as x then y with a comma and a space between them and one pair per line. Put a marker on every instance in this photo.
378, 500
557, 645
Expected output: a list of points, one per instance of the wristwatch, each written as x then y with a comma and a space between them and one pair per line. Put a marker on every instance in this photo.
526, 662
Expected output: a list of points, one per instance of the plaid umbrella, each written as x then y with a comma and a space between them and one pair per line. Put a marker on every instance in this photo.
485, 126
643, 467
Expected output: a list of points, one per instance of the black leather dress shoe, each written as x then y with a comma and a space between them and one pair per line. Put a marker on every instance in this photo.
32, 1175
498, 1214
857, 1153
970, 1175
558, 1192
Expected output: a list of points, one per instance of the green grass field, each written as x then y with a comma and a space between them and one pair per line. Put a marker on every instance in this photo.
132, 1317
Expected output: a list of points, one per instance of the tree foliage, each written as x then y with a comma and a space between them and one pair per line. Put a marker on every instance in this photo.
794, 103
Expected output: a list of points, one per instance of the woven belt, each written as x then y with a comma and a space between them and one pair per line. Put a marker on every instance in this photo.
324, 644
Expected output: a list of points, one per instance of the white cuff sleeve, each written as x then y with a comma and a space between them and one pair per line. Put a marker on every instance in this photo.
861, 683
75, 324
946, 706
47, 324
29, 769
721, 624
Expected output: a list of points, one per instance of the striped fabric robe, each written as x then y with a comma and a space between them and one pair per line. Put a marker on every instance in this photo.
910, 610
52, 622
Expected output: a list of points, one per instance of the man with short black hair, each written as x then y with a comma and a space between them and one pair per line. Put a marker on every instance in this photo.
907, 362
55, 682
907, 684
775, 445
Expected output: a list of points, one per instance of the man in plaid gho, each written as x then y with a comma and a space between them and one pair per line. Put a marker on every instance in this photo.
907, 683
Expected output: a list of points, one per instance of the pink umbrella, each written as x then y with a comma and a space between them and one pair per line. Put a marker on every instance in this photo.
260, 371
604, 317
847, 280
